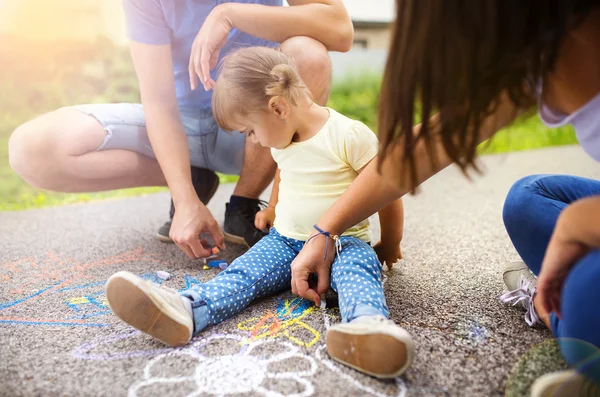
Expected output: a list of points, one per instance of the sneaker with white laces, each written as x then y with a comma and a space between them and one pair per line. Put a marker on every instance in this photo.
373, 345
521, 284
157, 311
564, 384
512, 273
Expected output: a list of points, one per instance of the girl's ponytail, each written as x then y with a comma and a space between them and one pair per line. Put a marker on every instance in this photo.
285, 83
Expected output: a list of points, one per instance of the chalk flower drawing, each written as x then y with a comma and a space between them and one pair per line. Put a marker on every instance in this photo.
240, 373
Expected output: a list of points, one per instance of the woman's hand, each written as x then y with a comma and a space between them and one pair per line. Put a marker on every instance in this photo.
560, 256
310, 260
189, 221
264, 219
577, 231
388, 254
562, 253
207, 46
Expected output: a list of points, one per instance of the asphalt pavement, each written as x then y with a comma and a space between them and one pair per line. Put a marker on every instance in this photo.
60, 339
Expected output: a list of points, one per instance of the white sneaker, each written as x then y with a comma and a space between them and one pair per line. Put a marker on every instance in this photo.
371, 344
564, 384
521, 284
155, 310
514, 271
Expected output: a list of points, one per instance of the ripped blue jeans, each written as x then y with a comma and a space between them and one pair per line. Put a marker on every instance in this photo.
265, 270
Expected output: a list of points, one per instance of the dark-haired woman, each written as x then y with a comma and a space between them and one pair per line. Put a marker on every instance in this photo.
472, 68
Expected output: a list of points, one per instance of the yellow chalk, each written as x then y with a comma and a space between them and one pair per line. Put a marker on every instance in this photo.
78, 300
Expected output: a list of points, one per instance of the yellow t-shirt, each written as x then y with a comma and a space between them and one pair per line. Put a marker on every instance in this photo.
315, 172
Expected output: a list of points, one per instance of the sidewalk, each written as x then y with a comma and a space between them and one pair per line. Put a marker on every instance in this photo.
59, 338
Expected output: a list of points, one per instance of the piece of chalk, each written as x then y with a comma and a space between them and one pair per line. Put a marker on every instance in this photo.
221, 264
323, 301
206, 267
215, 250
163, 275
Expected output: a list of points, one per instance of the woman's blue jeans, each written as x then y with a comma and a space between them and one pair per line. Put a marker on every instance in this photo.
530, 214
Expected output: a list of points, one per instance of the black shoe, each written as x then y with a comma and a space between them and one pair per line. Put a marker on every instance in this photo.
205, 183
239, 221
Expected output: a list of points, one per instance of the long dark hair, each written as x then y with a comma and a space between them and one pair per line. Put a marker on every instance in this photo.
457, 57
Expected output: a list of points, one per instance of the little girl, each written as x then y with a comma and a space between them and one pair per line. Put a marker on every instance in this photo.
319, 152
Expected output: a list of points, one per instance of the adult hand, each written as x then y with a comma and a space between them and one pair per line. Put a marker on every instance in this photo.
189, 221
310, 261
207, 46
561, 254
264, 219
388, 254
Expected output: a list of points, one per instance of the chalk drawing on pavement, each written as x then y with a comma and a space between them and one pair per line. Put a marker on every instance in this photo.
287, 321
262, 345
56, 278
280, 324
259, 367
247, 370
242, 362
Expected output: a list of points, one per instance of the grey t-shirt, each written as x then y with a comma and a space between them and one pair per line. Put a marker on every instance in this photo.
177, 22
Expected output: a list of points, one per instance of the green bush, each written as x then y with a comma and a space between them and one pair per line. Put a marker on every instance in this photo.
357, 97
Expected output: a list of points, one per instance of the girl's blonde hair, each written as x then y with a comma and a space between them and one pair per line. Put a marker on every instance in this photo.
249, 78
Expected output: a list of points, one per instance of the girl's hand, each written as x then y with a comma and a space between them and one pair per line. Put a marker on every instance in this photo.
310, 261
264, 219
388, 254
207, 46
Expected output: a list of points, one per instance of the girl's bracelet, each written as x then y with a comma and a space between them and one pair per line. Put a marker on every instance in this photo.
334, 237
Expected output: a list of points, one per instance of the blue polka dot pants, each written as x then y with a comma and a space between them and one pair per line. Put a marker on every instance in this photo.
265, 270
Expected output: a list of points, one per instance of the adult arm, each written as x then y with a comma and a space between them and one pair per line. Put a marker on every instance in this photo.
577, 232
373, 190
323, 20
167, 135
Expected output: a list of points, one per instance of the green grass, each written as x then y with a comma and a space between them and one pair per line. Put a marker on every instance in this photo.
17, 195
49, 79
528, 134
37, 198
